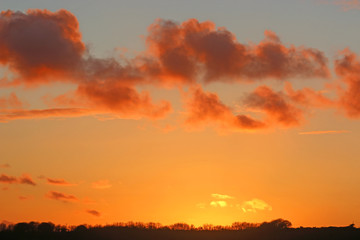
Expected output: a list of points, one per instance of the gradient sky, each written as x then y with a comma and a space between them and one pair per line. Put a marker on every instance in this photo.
180, 111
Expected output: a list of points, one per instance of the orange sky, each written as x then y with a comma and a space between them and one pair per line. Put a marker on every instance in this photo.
201, 126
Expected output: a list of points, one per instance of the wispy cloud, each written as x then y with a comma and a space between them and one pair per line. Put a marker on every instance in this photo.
4, 165
323, 132
59, 182
61, 196
94, 213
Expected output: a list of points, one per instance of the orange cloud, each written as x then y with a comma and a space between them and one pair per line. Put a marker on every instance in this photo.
182, 52
275, 105
40, 45
24, 179
59, 182
121, 100
206, 109
61, 196
323, 132
308, 97
8, 115
94, 213
7, 179
348, 68
43, 46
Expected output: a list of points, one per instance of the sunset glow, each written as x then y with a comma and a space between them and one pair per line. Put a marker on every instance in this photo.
158, 111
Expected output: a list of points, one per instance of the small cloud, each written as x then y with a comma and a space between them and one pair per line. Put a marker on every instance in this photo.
323, 132
94, 213
61, 196
221, 204
5, 188
221, 196
4, 165
254, 205
7, 179
59, 182
102, 184
26, 179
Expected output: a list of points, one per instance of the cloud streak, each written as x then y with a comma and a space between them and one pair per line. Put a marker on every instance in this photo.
61, 196
58, 182
323, 132
94, 213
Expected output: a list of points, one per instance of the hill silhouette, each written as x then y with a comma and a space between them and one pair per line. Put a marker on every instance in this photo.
277, 229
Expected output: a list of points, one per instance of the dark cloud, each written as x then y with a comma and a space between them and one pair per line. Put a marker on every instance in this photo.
61, 196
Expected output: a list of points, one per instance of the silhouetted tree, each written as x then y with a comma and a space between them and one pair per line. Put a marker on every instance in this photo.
46, 227
276, 224
80, 228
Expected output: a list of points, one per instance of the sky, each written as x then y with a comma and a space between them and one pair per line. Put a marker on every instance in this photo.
204, 112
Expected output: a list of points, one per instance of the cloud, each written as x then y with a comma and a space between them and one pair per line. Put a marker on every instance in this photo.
42, 47
5, 165
220, 204
39, 44
277, 107
94, 213
221, 196
61, 196
101, 184
323, 132
183, 51
8, 179
347, 67
254, 205
308, 97
24, 179
9, 115
205, 108
59, 182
